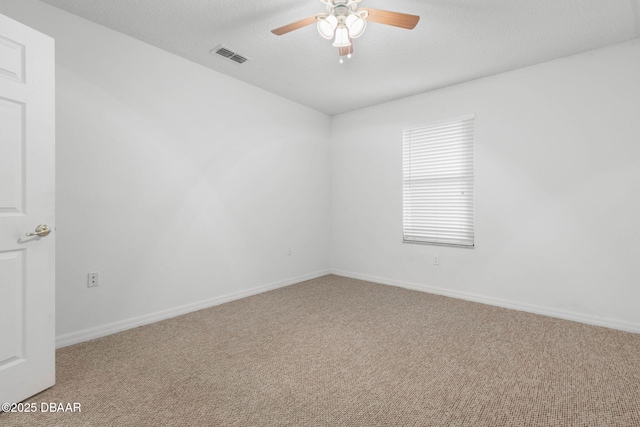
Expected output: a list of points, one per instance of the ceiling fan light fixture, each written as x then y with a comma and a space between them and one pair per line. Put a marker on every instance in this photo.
327, 26
342, 37
356, 25
343, 21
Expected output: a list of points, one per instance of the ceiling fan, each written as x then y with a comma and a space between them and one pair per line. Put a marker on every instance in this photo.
344, 22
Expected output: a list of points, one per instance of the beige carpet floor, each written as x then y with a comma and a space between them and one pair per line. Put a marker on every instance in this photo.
342, 352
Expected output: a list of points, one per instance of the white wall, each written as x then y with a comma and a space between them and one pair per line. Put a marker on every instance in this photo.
557, 190
178, 184
184, 187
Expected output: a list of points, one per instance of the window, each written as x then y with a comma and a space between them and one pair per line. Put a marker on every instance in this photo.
437, 189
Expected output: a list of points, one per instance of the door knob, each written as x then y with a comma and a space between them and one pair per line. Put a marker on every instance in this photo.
42, 230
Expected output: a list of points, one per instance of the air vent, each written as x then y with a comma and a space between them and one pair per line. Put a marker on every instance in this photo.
237, 58
225, 52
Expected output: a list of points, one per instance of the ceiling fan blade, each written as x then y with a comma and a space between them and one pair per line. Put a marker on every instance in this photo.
296, 25
396, 19
345, 50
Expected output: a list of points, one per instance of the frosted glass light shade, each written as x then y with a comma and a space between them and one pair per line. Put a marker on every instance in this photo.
326, 26
356, 25
342, 37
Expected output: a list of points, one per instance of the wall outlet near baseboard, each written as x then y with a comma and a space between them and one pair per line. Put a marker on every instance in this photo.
93, 279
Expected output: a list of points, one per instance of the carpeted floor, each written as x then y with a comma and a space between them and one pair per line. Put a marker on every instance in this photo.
342, 352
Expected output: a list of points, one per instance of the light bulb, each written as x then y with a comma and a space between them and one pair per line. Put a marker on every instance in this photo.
356, 25
326, 26
342, 37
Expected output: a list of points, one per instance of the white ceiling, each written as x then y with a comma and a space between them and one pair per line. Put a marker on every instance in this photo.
455, 41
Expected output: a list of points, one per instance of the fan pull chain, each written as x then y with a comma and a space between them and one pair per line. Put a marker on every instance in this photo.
341, 60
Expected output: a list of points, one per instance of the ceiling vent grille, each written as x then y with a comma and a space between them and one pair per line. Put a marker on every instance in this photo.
225, 52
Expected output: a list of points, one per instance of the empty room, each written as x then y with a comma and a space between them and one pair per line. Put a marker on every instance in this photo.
320, 213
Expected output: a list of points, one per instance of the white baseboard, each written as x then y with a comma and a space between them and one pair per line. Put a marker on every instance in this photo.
122, 325
551, 312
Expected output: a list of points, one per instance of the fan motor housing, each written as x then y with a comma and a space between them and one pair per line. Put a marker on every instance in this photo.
341, 10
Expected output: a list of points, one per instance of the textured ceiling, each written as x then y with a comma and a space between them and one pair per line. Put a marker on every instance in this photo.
455, 41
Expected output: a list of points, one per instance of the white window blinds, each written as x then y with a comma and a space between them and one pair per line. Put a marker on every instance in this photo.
438, 183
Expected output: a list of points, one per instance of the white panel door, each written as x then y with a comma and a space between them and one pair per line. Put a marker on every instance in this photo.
27, 162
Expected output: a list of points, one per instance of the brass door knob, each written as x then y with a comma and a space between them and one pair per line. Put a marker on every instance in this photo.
42, 230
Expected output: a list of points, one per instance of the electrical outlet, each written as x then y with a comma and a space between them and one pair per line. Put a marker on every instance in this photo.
288, 251
436, 260
93, 280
